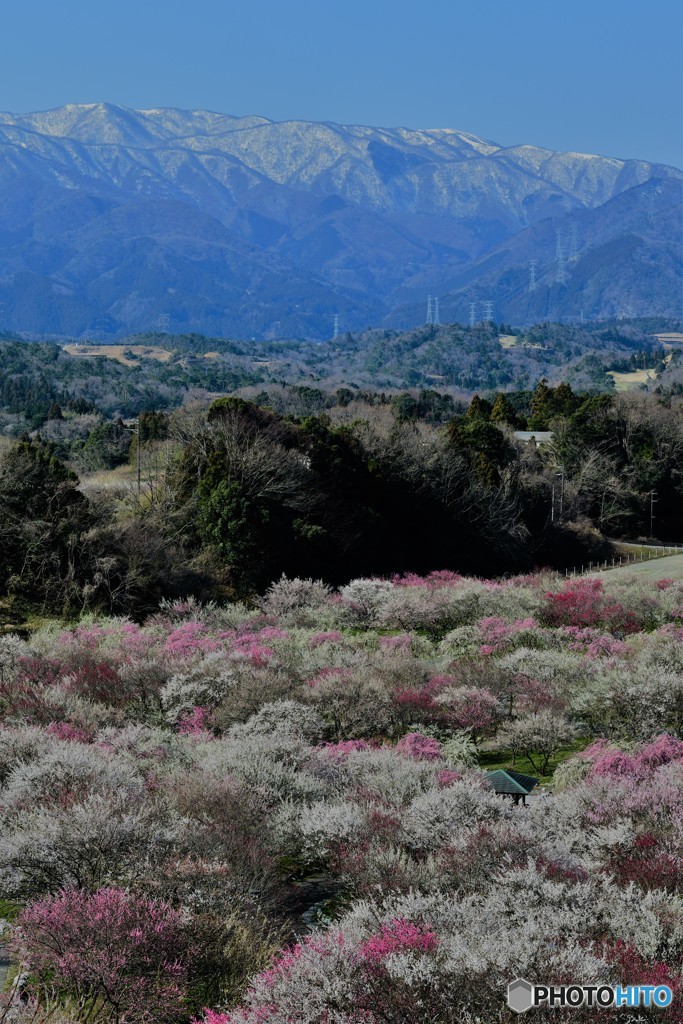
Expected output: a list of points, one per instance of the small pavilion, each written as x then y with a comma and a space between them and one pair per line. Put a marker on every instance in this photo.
512, 784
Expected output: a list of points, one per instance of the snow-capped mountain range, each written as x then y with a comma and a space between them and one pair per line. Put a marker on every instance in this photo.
115, 220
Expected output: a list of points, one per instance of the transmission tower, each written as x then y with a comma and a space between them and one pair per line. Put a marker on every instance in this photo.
435, 312
430, 313
335, 327
473, 313
650, 194
574, 245
532, 275
488, 310
163, 321
560, 277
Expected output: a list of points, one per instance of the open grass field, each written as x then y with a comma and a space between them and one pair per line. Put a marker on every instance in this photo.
512, 341
670, 567
631, 380
128, 355
121, 479
491, 760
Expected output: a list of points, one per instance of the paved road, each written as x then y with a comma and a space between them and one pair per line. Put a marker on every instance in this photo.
668, 568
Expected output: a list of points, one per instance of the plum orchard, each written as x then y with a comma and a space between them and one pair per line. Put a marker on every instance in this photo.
168, 789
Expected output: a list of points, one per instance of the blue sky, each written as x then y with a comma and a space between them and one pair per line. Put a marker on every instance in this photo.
599, 76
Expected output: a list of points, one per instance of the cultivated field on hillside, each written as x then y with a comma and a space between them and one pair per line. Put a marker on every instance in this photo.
634, 379
127, 355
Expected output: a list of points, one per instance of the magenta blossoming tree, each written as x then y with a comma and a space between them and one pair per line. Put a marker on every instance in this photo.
124, 956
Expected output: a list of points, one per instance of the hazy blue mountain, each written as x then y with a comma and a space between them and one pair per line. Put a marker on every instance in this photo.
622, 259
114, 220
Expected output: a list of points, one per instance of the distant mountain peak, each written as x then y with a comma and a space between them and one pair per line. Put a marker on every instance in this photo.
112, 218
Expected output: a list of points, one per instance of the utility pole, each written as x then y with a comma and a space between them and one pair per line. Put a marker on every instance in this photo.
552, 502
138, 460
653, 502
561, 474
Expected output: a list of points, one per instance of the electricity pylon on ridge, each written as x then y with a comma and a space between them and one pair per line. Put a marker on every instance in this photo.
650, 194
560, 276
430, 314
532, 275
574, 245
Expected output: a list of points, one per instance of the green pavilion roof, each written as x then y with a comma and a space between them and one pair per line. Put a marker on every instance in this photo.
505, 781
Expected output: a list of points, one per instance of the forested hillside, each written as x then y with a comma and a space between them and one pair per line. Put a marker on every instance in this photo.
221, 500
159, 371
